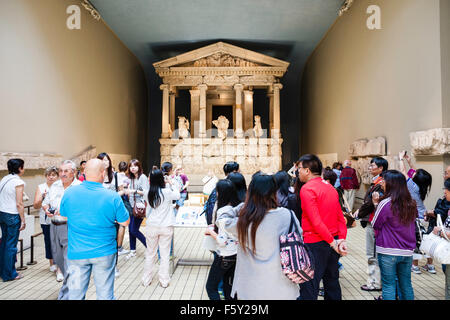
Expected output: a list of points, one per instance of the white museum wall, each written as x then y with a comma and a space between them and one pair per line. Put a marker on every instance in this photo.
362, 83
63, 90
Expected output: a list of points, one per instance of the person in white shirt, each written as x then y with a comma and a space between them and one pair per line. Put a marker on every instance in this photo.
159, 227
222, 268
12, 218
51, 175
58, 228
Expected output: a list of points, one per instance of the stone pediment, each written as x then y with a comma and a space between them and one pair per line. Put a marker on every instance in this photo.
220, 55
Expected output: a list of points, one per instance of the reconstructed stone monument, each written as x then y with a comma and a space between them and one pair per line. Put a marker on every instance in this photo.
221, 75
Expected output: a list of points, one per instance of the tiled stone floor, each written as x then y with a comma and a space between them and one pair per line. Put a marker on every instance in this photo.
188, 282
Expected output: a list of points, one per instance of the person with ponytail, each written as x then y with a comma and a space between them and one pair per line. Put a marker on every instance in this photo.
395, 239
222, 268
159, 226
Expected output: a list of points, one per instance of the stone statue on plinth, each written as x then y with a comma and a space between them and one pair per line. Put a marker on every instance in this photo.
183, 127
222, 125
257, 129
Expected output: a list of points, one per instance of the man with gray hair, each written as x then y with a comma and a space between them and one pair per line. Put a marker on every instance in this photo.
58, 227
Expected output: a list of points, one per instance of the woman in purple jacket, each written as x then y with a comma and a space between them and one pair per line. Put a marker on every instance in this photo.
395, 235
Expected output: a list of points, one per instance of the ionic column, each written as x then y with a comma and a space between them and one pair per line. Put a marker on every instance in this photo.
276, 110
202, 127
165, 111
248, 109
270, 96
239, 88
172, 95
195, 112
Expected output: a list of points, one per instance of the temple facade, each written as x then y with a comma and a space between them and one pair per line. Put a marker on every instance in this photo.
221, 76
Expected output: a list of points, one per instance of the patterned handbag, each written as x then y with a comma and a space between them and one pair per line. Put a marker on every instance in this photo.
139, 208
296, 259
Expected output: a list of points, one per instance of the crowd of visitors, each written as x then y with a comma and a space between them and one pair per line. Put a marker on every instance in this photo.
85, 211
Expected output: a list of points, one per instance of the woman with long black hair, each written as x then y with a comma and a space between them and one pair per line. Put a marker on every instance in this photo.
109, 182
395, 239
239, 183
285, 197
159, 227
258, 226
222, 268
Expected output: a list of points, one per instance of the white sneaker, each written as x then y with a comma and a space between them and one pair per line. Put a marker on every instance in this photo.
430, 268
53, 268
132, 254
122, 251
416, 269
59, 277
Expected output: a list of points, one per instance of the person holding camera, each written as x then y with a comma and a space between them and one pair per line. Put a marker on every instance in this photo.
51, 175
58, 228
12, 218
366, 213
419, 185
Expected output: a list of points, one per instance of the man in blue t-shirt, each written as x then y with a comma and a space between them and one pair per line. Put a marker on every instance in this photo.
91, 212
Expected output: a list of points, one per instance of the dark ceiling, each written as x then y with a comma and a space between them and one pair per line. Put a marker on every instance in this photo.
289, 30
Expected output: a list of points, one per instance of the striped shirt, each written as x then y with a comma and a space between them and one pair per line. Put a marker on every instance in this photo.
391, 236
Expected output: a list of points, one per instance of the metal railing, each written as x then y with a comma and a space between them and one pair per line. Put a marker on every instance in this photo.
29, 208
22, 267
32, 261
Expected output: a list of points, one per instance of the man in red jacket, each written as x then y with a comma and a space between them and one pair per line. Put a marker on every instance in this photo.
349, 182
324, 229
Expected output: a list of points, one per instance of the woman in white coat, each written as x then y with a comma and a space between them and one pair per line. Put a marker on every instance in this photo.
159, 227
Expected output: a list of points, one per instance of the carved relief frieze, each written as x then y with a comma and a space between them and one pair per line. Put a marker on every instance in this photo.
431, 142
220, 59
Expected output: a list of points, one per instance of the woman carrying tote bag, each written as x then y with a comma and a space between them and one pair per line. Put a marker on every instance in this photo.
444, 232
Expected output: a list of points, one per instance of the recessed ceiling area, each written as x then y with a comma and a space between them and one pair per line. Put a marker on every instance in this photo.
289, 30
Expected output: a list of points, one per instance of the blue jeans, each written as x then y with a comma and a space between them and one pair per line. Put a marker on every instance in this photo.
133, 229
10, 225
392, 267
80, 273
180, 202
47, 241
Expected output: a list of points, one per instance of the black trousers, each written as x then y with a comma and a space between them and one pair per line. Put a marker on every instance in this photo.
220, 270
326, 269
